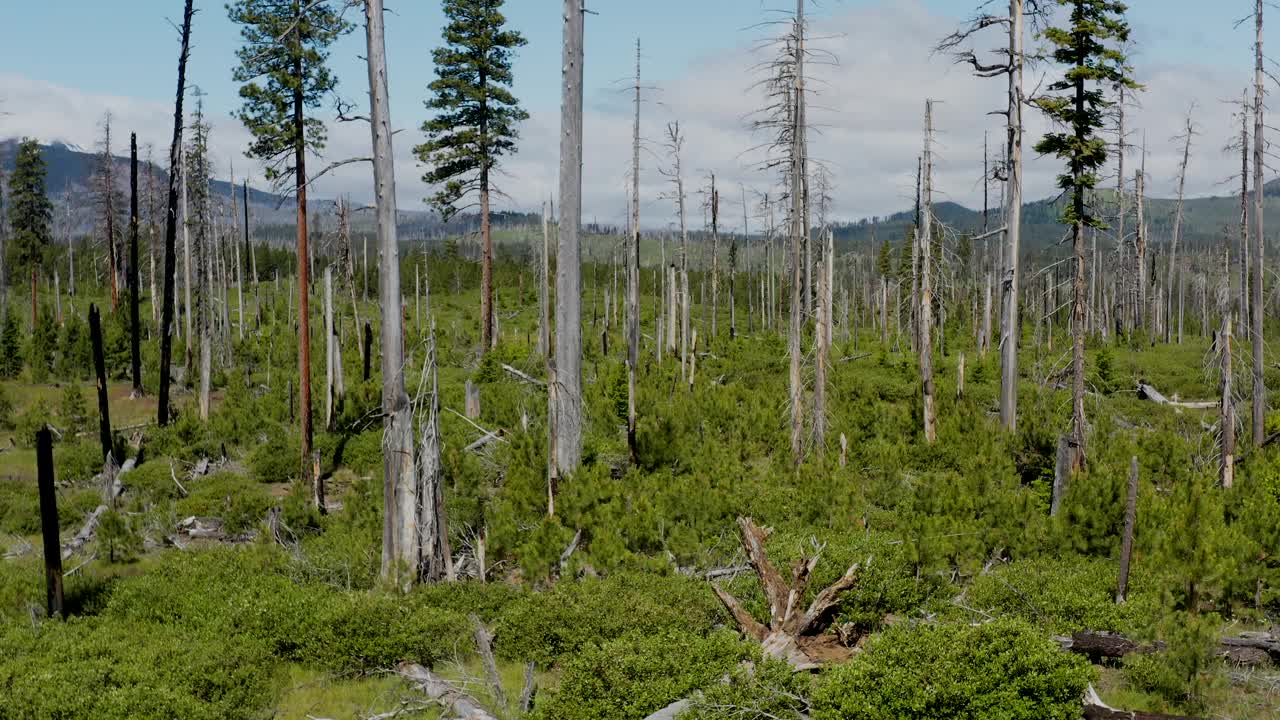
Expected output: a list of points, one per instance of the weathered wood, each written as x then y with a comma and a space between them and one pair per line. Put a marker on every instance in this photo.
1130, 522
49, 522
523, 376
456, 702
472, 400
789, 635
1148, 392
484, 646
670, 712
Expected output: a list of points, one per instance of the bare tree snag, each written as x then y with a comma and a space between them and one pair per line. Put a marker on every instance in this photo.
49, 521
1227, 416
170, 233
135, 323
568, 413
1130, 522
100, 371
431, 527
792, 634
924, 241
1259, 243
399, 475
798, 232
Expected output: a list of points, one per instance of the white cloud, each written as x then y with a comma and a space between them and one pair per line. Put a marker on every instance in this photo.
868, 114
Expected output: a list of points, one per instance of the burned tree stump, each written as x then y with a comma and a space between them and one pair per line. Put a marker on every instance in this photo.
794, 635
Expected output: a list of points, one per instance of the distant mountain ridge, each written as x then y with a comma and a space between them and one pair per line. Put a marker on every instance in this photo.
71, 170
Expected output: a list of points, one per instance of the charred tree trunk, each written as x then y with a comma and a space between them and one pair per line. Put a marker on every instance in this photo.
170, 233
100, 372
49, 526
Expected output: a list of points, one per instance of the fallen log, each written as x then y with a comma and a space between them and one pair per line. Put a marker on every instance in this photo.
1095, 709
1247, 648
671, 711
523, 376
1148, 392
114, 489
455, 702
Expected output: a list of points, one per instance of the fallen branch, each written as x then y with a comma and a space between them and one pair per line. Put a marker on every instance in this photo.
671, 711
453, 700
859, 356
1247, 648
484, 646
115, 488
524, 376
568, 551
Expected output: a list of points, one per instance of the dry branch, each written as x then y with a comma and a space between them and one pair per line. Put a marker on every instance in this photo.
456, 703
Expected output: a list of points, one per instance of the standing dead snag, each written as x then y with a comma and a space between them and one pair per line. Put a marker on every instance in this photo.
791, 635
924, 240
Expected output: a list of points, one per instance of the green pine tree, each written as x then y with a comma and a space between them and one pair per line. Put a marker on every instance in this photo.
1090, 50
282, 66
885, 262
30, 215
10, 346
475, 121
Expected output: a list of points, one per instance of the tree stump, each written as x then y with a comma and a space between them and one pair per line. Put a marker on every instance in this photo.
791, 634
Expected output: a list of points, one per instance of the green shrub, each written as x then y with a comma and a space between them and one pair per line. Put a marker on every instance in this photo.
1003, 670
276, 460
96, 670
79, 461
545, 627
238, 501
772, 690
632, 676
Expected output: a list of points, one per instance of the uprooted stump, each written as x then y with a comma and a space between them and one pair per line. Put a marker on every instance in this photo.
797, 637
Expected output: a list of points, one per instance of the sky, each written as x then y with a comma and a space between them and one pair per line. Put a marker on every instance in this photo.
65, 63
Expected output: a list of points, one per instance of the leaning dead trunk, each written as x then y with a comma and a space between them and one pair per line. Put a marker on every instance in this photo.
1130, 521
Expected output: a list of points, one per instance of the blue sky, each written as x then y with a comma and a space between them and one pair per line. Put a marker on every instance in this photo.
93, 55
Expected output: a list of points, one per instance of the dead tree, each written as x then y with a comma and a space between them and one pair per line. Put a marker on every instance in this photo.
1227, 414
792, 634
170, 233
135, 332
633, 275
926, 281
1177, 234
1130, 522
49, 526
1012, 67
798, 171
822, 340
106, 190
431, 527
100, 372
399, 477
567, 415
1259, 387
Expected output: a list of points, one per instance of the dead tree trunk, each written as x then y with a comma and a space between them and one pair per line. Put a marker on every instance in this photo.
926, 283
49, 518
329, 377
170, 233
568, 369
1227, 415
431, 527
633, 276
100, 372
1130, 522
135, 322
1259, 387
822, 339
794, 635
1177, 236
399, 469
798, 171
1010, 327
